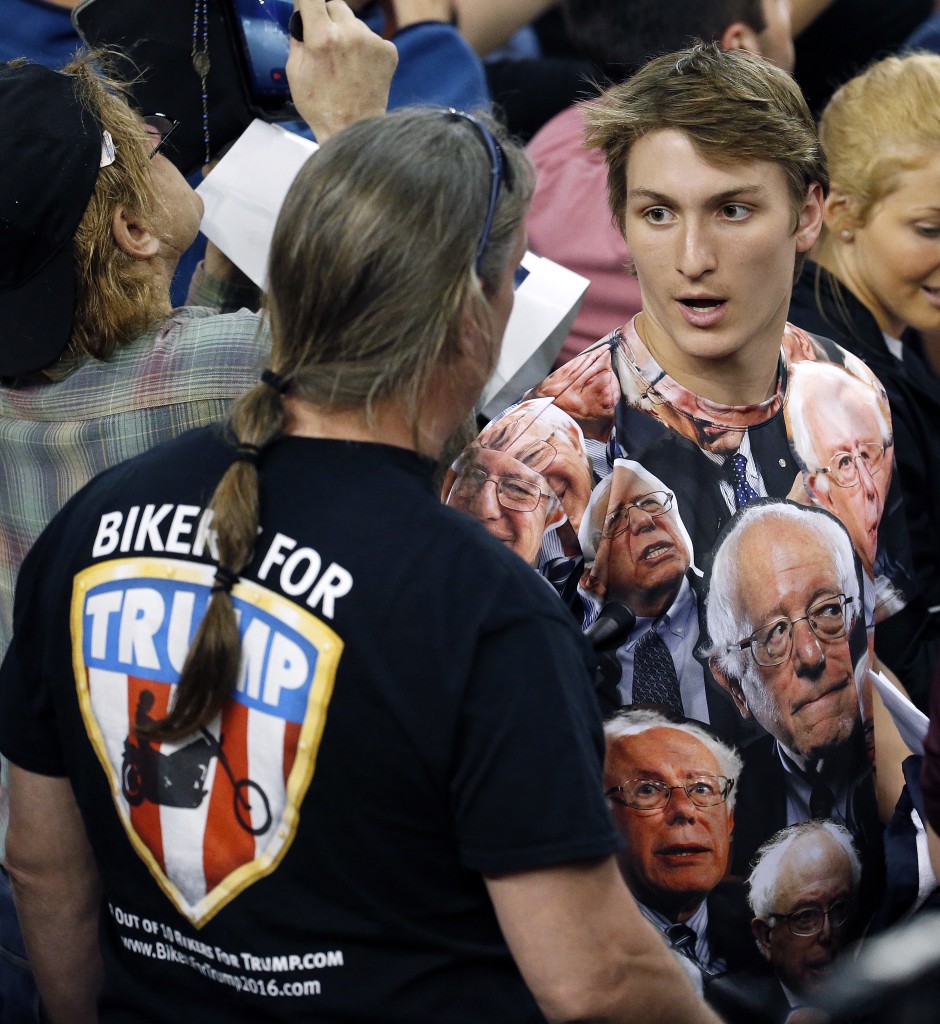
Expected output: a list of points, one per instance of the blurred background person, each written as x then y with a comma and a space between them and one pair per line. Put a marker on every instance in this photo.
835, 39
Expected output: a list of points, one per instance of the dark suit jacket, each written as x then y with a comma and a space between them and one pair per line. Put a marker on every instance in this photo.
761, 810
695, 479
908, 642
723, 715
748, 997
914, 395
729, 928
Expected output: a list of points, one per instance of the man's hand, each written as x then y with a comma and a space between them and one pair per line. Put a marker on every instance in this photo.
341, 71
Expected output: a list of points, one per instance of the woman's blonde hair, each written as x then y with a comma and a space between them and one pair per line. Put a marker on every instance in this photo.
879, 124
373, 289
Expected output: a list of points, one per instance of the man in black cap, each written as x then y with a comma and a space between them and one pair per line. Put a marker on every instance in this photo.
95, 366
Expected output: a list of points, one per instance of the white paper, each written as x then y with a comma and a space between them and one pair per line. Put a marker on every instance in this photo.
910, 721
244, 193
546, 304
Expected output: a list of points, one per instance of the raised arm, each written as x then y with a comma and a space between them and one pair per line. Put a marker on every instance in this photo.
486, 24
585, 950
338, 69
57, 893
805, 12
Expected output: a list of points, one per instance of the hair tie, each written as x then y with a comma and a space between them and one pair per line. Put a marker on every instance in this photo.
225, 579
245, 452
276, 381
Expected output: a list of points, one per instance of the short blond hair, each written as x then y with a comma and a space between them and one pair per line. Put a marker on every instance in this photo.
734, 107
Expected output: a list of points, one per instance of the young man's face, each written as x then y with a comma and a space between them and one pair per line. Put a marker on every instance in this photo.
714, 249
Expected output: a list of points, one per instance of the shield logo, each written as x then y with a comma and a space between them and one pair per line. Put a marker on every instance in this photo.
242, 779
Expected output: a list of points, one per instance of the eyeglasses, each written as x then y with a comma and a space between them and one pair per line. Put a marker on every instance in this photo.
500, 171
809, 920
159, 128
843, 466
773, 642
512, 492
538, 455
651, 794
656, 503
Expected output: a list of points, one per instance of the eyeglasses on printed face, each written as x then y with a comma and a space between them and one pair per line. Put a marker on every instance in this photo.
773, 642
159, 128
651, 794
656, 503
810, 920
843, 466
512, 492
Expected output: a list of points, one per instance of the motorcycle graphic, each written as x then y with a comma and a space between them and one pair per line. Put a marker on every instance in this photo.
177, 779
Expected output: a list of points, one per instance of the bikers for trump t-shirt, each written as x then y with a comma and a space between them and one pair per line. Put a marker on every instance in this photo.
413, 712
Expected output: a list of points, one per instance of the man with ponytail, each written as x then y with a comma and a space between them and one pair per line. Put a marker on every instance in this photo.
312, 756
95, 366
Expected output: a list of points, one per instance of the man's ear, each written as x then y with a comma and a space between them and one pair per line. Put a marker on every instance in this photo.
820, 496
732, 686
761, 931
132, 235
811, 218
740, 36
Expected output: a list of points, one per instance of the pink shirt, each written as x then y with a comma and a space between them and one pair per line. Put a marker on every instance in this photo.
570, 223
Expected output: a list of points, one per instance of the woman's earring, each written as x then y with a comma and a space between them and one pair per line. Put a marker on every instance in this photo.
845, 235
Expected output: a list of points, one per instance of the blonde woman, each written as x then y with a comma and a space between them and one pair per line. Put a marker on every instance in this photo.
875, 281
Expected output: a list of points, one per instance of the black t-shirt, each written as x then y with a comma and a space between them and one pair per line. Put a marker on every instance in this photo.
413, 711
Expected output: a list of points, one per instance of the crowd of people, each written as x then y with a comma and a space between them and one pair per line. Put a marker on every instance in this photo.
623, 705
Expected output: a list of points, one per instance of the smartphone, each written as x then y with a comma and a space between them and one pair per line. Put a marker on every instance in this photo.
261, 35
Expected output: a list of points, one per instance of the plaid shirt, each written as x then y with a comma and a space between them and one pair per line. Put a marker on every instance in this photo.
55, 437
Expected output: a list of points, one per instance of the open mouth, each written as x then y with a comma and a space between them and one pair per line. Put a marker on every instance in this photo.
683, 850
657, 550
702, 312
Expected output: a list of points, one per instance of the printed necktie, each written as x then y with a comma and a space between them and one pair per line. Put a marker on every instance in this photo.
682, 939
821, 800
654, 674
744, 494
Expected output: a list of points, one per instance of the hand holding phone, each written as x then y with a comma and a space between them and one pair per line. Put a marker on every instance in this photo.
339, 71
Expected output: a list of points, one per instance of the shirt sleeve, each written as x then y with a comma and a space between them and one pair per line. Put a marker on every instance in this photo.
528, 782
28, 734
225, 296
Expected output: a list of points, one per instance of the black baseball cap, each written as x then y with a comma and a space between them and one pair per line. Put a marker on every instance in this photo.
50, 154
